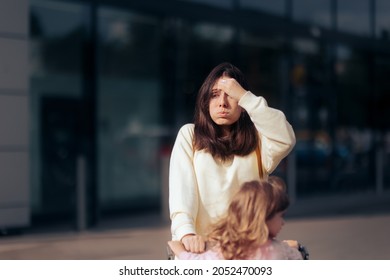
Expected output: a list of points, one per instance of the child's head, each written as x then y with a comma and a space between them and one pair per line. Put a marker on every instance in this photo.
252, 217
259, 202
277, 206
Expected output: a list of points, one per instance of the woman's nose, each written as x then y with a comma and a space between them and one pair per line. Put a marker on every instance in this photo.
223, 100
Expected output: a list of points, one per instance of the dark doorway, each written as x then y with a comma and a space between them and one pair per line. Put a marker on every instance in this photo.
59, 134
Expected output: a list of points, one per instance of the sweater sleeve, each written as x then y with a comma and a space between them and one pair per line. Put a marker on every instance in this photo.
276, 134
183, 194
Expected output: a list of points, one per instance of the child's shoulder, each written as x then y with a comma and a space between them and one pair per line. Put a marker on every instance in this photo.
285, 251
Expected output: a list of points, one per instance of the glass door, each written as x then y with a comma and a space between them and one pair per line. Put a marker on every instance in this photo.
56, 88
129, 112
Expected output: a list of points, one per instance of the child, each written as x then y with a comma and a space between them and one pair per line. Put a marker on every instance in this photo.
248, 231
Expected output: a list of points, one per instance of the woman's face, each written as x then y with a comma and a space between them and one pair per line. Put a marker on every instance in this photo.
275, 224
223, 109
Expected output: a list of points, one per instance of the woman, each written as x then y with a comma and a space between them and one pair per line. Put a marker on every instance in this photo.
216, 154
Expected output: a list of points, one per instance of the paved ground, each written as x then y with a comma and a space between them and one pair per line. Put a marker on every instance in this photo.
333, 228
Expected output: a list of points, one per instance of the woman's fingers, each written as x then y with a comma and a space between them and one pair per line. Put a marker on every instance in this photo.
193, 243
231, 87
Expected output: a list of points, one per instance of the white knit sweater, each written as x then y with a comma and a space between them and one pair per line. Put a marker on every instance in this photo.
200, 187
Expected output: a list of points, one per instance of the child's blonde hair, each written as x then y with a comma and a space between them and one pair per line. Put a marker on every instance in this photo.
244, 227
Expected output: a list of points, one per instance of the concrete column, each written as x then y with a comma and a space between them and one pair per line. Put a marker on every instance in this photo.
291, 177
81, 194
379, 165
14, 115
165, 187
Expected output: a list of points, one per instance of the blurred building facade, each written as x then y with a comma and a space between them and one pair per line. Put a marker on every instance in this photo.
95, 101
14, 115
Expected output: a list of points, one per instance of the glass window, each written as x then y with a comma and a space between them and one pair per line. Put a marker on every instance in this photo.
129, 111
203, 46
56, 30
382, 19
354, 16
353, 77
276, 7
263, 63
216, 3
354, 132
382, 112
312, 102
261, 58
313, 12
386, 161
128, 44
56, 55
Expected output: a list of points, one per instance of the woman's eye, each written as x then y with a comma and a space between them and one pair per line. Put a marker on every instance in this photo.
214, 94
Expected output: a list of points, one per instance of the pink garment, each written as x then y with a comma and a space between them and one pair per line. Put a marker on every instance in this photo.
272, 250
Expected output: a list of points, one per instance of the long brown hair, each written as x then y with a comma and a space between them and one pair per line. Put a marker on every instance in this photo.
243, 137
244, 227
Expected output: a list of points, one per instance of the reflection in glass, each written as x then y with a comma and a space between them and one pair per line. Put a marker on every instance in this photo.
129, 44
382, 105
276, 7
313, 12
382, 19
220, 34
262, 67
353, 78
312, 103
216, 3
56, 55
355, 138
129, 111
203, 45
354, 16
304, 45
262, 63
56, 32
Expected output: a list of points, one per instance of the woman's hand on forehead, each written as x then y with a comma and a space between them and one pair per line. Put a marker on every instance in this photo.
231, 87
